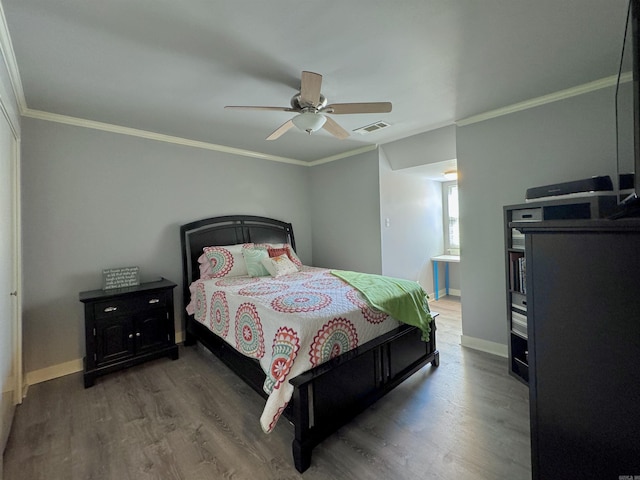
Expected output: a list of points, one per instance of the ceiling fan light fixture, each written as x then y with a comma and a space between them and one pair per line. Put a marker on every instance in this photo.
309, 121
311, 105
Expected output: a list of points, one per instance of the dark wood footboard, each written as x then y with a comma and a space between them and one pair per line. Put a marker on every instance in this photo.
330, 395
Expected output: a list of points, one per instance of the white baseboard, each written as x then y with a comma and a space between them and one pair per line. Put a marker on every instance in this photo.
443, 293
55, 371
484, 346
66, 368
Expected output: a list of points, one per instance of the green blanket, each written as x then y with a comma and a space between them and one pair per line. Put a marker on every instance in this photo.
404, 300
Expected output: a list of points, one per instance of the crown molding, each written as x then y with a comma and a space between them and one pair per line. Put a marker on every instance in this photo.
340, 156
107, 127
6, 46
517, 107
538, 101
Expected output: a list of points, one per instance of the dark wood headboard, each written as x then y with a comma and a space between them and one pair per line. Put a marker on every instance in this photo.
226, 230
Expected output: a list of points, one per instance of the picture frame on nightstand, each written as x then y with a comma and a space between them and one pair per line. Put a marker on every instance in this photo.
120, 277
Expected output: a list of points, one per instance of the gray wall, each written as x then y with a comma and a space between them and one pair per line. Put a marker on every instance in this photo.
498, 160
413, 206
428, 147
94, 200
345, 214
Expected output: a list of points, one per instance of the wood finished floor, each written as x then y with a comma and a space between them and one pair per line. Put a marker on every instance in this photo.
193, 419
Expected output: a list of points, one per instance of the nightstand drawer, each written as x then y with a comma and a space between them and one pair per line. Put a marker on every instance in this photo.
125, 306
152, 299
114, 307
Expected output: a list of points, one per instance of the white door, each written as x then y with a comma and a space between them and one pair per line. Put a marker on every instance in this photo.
10, 328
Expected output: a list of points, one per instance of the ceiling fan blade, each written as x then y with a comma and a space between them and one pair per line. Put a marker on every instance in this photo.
371, 107
310, 88
248, 107
281, 130
334, 129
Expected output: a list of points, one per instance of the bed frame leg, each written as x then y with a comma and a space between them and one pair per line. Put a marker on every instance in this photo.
301, 456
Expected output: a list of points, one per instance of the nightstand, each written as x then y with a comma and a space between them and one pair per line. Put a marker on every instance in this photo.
127, 326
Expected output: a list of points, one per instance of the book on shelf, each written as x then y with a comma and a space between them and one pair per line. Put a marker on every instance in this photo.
518, 272
514, 276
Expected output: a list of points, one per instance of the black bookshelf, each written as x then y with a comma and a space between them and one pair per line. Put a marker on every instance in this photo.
517, 294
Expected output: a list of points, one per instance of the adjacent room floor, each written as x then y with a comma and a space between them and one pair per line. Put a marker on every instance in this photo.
193, 419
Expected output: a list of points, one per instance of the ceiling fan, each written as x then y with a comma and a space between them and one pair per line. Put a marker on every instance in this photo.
312, 108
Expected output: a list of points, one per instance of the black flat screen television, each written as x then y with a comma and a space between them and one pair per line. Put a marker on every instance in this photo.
628, 117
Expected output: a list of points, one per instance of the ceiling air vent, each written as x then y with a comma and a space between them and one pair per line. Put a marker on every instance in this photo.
371, 128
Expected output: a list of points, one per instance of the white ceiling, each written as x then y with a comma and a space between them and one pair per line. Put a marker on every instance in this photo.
170, 66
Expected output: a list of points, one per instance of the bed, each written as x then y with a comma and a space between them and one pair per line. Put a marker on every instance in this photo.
331, 390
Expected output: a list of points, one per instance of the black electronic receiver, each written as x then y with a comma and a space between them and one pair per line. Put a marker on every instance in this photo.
586, 186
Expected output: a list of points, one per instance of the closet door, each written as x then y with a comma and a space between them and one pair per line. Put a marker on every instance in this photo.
10, 330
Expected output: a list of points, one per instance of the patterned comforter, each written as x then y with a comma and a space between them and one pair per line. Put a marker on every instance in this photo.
290, 323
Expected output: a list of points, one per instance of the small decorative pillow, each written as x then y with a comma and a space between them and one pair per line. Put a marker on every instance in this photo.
278, 266
223, 261
284, 248
253, 257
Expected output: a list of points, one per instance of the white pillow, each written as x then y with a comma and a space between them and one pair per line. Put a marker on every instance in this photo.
278, 266
224, 261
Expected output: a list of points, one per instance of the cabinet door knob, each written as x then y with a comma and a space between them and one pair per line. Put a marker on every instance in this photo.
137, 334
131, 335
154, 300
110, 309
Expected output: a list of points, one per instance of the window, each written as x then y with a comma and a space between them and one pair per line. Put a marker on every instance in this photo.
451, 218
